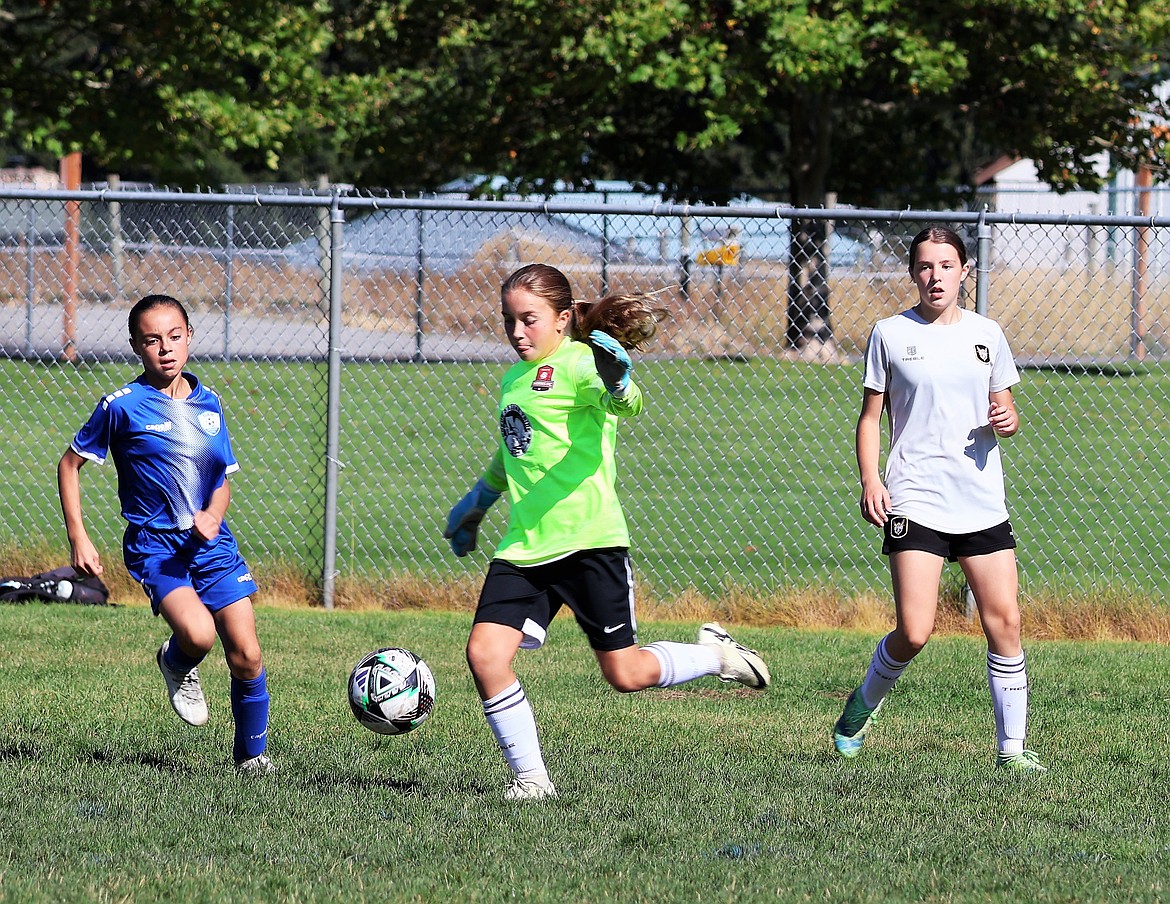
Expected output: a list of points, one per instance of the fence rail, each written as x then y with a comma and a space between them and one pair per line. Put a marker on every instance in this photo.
356, 342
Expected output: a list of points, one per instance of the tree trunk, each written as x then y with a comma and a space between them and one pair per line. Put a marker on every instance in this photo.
810, 330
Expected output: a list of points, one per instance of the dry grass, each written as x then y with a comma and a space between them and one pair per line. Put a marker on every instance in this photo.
1077, 615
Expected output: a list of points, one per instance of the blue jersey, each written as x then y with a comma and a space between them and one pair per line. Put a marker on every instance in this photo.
171, 454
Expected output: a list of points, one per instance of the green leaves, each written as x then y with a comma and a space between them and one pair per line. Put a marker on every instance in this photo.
407, 93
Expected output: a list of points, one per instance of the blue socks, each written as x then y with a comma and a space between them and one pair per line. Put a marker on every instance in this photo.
250, 710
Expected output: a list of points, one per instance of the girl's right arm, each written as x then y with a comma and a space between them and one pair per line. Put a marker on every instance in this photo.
83, 554
875, 498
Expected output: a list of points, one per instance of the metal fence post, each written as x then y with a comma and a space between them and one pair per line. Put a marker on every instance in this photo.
684, 263
982, 285
604, 250
333, 402
228, 287
1143, 182
419, 280
982, 264
117, 239
30, 282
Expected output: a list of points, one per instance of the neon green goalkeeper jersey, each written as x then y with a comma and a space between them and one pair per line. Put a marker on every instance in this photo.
558, 434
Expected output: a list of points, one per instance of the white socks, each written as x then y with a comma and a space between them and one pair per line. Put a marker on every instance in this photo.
509, 715
682, 662
883, 672
1007, 677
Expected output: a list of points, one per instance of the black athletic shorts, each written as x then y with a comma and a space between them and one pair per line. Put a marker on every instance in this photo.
596, 584
902, 533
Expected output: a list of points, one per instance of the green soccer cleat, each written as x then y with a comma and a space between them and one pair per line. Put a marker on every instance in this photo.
849, 732
1024, 761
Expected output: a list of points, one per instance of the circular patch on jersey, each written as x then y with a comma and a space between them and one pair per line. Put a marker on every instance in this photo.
516, 430
209, 422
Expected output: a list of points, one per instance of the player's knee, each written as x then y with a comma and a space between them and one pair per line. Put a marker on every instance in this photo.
624, 684
245, 662
484, 658
627, 680
196, 640
1003, 628
914, 641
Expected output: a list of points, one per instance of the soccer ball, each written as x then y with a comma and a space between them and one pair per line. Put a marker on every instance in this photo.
391, 691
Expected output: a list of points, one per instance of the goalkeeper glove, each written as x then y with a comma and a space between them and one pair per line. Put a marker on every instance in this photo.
463, 521
612, 362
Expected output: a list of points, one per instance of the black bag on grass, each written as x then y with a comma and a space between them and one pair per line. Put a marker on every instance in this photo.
61, 585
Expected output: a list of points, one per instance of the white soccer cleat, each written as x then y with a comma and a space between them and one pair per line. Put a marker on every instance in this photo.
739, 663
533, 787
184, 690
257, 765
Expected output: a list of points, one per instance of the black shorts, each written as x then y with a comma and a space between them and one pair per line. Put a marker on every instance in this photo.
901, 534
596, 584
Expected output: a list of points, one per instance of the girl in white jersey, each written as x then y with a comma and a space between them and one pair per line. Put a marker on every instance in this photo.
166, 434
567, 542
943, 376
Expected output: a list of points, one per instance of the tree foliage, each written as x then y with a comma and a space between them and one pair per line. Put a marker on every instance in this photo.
702, 96
175, 89
713, 93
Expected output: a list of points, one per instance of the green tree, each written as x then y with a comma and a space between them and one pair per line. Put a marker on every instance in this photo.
862, 96
185, 90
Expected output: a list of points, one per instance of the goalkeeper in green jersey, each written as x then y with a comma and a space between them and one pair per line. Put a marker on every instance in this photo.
567, 543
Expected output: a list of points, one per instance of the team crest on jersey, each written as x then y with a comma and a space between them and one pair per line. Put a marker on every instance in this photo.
209, 422
912, 354
898, 527
983, 353
516, 430
544, 378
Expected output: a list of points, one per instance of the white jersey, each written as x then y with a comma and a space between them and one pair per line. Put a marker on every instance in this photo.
943, 469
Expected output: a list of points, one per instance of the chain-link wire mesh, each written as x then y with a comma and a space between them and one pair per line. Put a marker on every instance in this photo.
740, 473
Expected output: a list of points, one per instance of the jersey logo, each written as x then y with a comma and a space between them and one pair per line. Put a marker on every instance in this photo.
209, 423
164, 427
983, 353
516, 430
544, 378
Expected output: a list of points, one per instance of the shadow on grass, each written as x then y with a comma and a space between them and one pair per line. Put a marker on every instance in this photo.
19, 751
327, 781
139, 758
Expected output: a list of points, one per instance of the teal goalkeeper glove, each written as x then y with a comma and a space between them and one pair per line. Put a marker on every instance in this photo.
463, 521
612, 362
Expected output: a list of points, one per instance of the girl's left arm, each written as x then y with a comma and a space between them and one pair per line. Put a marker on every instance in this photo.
208, 521
1002, 414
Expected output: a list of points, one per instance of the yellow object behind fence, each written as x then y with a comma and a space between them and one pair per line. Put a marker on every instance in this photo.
727, 255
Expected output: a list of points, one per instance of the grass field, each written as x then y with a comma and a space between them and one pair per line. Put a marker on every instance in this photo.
738, 475
701, 793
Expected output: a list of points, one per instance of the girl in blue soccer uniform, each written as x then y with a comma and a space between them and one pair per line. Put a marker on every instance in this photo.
172, 452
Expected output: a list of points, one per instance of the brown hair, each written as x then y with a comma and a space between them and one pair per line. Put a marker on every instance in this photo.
149, 303
941, 235
631, 318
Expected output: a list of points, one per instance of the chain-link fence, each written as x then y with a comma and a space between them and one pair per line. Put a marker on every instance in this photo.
357, 343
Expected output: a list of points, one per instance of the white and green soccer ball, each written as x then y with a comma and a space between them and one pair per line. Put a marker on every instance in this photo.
391, 691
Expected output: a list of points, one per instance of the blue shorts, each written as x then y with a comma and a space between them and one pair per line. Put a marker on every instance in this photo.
164, 560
